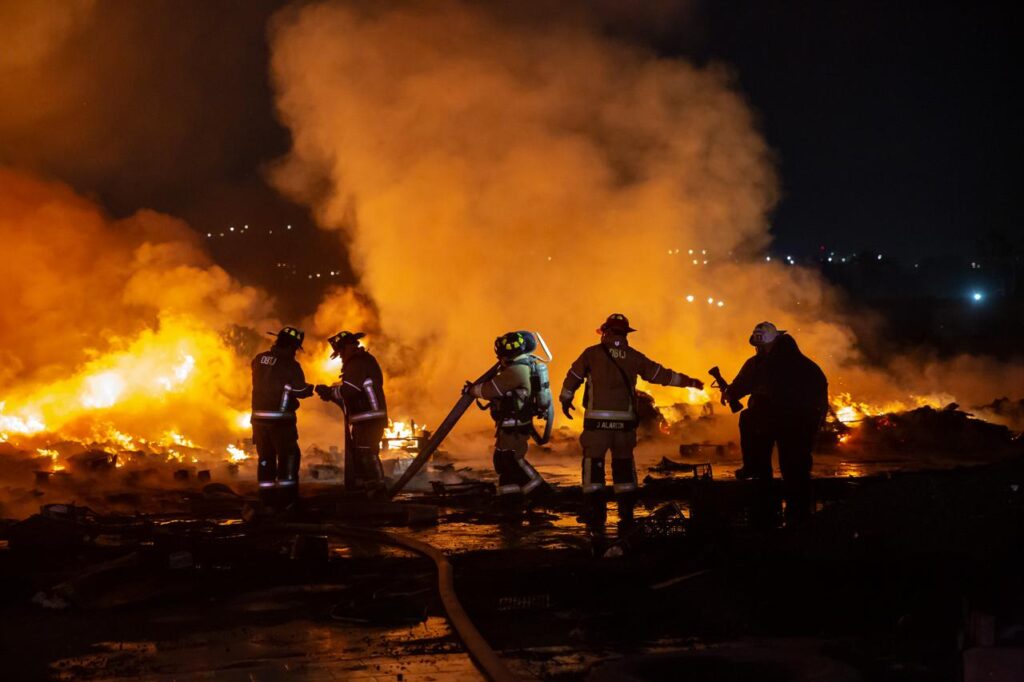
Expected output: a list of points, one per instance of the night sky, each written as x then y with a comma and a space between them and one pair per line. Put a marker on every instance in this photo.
896, 129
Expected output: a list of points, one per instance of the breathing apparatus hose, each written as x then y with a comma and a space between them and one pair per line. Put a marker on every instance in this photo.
481, 653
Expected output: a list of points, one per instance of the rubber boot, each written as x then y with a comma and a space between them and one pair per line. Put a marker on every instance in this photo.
593, 512
625, 502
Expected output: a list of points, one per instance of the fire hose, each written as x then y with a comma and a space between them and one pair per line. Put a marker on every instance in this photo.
480, 652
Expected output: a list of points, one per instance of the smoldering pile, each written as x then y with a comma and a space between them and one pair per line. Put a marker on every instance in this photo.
925, 430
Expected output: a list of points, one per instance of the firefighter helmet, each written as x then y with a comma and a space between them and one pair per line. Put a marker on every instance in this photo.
341, 339
617, 323
289, 336
764, 334
510, 345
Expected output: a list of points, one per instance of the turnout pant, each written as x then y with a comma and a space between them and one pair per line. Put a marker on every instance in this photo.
365, 460
277, 446
516, 476
793, 434
597, 442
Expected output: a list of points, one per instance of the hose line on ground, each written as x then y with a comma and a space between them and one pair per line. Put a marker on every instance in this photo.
485, 658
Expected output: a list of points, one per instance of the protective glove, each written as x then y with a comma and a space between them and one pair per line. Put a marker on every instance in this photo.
323, 391
467, 387
567, 408
725, 396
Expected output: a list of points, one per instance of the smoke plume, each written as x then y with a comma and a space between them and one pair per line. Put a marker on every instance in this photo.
497, 170
497, 174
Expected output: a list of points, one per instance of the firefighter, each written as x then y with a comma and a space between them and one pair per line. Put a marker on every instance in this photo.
512, 397
610, 370
788, 402
360, 394
277, 386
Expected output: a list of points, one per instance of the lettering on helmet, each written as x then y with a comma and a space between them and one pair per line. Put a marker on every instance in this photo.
268, 360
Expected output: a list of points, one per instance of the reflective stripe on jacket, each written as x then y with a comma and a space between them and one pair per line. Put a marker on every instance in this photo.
361, 389
610, 396
277, 385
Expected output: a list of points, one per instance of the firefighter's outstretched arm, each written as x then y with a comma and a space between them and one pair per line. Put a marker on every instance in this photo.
300, 389
303, 391
574, 378
654, 373
507, 380
326, 393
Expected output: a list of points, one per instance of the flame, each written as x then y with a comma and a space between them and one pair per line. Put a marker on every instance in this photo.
178, 439
122, 439
401, 429
237, 454
851, 412
25, 424
102, 390
159, 388
402, 435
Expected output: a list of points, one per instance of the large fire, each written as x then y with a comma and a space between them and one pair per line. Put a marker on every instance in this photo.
164, 391
552, 177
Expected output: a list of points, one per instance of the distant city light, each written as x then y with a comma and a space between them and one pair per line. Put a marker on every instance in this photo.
768, 258
721, 303
710, 301
689, 299
977, 296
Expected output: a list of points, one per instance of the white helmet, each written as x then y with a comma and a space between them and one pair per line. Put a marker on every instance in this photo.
764, 334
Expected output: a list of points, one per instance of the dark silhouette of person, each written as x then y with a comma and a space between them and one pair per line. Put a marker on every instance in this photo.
788, 402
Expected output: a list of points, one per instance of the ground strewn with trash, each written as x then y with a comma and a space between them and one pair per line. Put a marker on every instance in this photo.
898, 576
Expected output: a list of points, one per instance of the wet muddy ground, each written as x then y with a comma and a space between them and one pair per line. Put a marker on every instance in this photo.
883, 584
